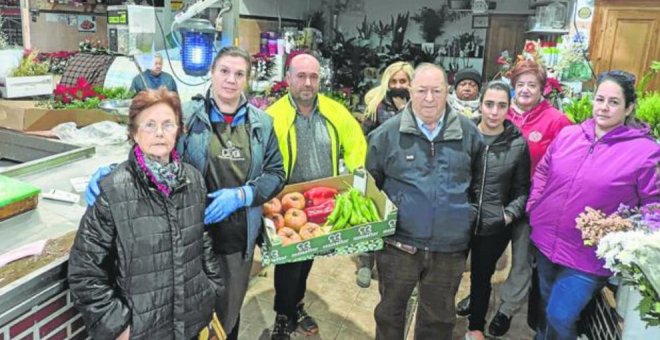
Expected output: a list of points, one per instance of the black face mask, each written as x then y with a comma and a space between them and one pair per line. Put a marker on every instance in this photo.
398, 92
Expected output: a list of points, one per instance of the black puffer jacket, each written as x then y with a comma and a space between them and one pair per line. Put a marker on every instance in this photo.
142, 259
503, 183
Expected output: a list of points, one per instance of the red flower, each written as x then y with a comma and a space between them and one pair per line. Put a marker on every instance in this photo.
60, 90
530, 47
262, 56
280, 86
501, 61
551, 85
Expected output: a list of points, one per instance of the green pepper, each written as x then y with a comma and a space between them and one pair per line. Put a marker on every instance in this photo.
366, 212
336, 212
374, 210
356, 216
345, 215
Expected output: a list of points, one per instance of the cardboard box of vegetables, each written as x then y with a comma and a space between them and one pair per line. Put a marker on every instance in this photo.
339, 215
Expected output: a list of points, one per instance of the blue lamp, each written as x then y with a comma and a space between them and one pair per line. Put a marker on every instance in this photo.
196, 46
197, 36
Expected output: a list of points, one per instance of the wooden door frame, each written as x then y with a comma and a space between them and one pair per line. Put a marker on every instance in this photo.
488, 37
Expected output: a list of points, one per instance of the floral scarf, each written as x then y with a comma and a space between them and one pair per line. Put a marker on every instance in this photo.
164, 176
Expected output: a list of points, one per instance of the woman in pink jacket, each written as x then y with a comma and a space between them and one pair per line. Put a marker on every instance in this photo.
601, 163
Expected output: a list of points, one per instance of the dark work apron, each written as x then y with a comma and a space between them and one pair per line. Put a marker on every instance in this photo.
229, 150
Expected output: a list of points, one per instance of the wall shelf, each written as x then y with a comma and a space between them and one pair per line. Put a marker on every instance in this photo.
536, 3
547, 31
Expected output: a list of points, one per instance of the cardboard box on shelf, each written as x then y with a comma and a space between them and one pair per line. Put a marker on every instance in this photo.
356, 239
23, 115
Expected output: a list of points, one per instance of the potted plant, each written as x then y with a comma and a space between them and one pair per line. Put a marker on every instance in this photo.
399, 31
430, 22
29, 78
381, 29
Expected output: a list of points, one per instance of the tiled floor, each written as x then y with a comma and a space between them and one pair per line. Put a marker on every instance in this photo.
342, 309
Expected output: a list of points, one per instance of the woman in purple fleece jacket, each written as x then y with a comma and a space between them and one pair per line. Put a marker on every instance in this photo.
607, 160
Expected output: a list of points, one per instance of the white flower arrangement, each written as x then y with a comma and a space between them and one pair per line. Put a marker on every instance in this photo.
634, 255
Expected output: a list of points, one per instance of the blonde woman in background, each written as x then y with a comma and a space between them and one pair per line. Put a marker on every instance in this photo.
383, 102
387, 99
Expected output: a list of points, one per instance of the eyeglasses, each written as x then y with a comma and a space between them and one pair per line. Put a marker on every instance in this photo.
151, 127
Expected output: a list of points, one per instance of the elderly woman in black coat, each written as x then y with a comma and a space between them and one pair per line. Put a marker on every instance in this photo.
141, 265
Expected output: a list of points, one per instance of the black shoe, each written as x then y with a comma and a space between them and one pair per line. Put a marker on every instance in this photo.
499, 325
305, 321
463, 307
282, 328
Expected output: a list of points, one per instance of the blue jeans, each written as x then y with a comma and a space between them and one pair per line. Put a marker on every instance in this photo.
564, 294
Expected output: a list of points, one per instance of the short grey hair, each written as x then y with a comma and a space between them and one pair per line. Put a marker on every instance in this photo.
425, 66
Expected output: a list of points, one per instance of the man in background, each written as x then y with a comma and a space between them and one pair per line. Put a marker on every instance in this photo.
465, 98
154, 78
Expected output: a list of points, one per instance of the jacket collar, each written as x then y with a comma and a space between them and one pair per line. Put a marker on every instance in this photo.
142, 178
620, 133
451, 127
203, 106
510, 130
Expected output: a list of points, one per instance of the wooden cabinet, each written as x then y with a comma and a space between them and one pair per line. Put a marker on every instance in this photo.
625, 36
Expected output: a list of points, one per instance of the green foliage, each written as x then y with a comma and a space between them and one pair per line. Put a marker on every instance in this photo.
89, 103
648, 110
649, 306
398, 31
365, 29
30, 66
340, 96
114, 92
430, 22
579, 110
654, 69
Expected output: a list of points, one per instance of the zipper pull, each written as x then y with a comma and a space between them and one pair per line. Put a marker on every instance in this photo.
591, 148
432, 149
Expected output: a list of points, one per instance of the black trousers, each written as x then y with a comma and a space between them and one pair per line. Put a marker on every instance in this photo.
486, 250
290, 286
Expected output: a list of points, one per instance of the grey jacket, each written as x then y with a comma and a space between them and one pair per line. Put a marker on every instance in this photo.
266, 173
428, 181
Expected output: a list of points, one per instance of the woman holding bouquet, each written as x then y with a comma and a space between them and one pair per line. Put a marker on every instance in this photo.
601, 163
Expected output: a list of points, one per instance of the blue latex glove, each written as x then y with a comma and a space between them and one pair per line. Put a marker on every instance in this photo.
225, 202
93, 190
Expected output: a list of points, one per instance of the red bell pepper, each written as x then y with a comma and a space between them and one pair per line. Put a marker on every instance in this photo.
319, 195
319, 213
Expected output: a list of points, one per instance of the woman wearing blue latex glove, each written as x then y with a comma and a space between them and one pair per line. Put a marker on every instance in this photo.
233, 144
124, 253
